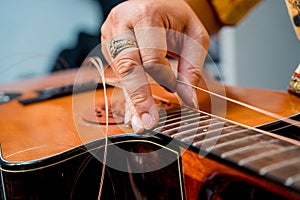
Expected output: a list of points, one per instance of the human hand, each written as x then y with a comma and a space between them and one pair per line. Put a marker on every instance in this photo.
149, 30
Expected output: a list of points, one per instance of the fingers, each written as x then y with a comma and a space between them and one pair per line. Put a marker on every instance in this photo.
192, 57
139, 123
144, 42
153, 50
124, 57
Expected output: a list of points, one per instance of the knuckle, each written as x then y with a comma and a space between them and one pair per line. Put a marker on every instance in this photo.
193, 70
194, 75
144, 8
201, 36
138, 99
114, 15
153, 58
104, 31
204, 39
152, 62
125, 66
146, 12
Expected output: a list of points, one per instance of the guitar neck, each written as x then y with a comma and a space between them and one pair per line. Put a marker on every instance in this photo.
249, 149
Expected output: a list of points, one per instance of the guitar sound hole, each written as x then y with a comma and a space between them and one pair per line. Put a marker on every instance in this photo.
226, 188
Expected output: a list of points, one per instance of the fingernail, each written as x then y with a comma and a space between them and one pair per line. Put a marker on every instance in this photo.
137, 124
126, 117
147, 120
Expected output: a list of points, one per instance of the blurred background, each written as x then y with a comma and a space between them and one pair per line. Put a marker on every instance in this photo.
34, 33
262, 51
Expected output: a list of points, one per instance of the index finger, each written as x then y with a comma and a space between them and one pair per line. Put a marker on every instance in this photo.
128, 66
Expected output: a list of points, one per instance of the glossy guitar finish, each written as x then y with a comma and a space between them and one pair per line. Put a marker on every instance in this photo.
44, 156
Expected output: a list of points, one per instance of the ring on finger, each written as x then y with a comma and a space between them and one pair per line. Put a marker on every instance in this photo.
118, 45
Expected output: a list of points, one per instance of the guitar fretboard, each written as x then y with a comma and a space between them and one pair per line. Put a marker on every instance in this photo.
265, 155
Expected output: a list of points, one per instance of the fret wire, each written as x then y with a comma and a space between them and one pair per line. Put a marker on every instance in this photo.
292, 179
208, 132
231, 141
229, 153
265, 112
274, 135
195, 129
186, 125
171, 115
176, 113
170, 120
264, 154
187, 118
229, 134
181, 117
278, 165
184, 121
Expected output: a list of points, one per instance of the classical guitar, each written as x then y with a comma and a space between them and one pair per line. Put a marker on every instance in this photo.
49, 151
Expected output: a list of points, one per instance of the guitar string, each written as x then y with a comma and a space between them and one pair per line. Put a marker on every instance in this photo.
289, 121
247, 147
258, 145
99, 65
276, 116
259, 110
265, 112
37, 148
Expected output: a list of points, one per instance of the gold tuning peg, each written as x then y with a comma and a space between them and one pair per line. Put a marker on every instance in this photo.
294, 86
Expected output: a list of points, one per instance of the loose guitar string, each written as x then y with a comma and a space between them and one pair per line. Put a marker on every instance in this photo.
259, 110
99, 65
38, 147
290, 121
265, 112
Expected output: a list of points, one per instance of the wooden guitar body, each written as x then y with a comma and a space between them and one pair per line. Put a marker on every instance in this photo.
50, 152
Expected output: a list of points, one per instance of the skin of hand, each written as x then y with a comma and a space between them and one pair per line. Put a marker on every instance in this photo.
160, 29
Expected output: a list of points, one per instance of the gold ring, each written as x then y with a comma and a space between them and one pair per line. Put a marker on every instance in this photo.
118, 45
